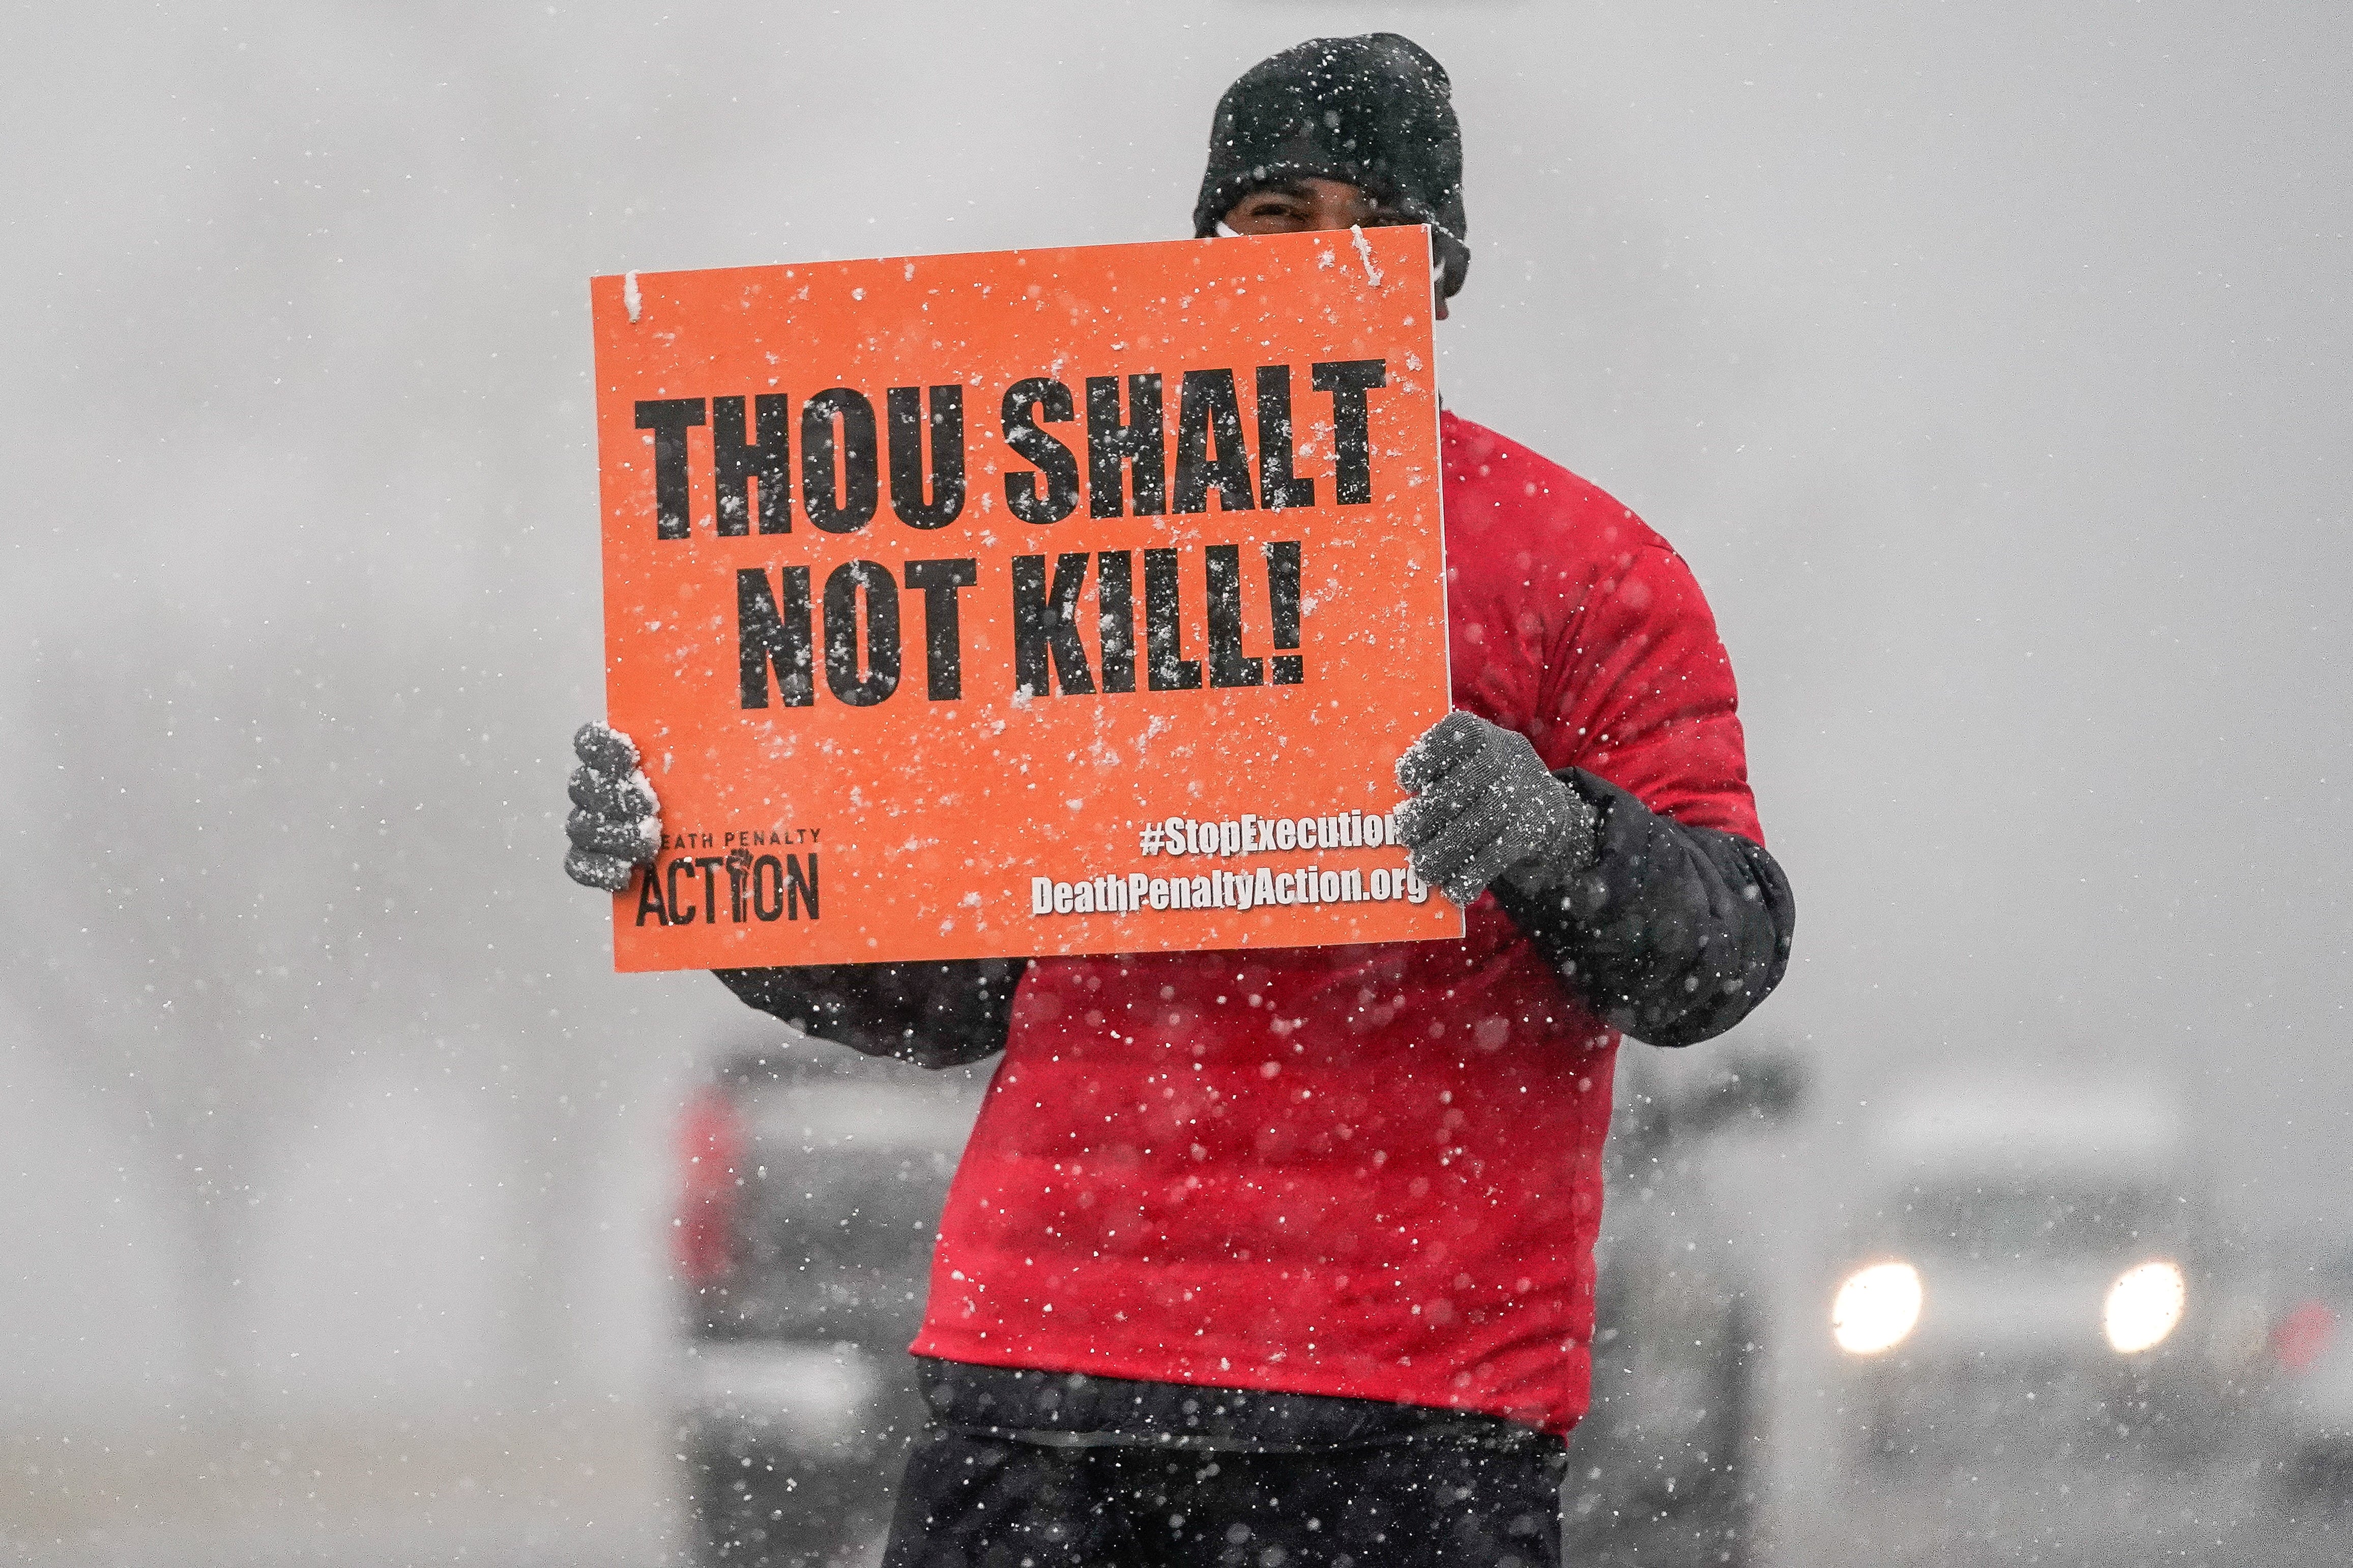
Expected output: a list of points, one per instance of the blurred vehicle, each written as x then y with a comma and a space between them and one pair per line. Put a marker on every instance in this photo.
1663, 1469
2031, 1267
812, 1183
812, 1180
2306, 1426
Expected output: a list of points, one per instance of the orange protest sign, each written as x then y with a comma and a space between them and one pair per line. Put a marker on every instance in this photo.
1042, 602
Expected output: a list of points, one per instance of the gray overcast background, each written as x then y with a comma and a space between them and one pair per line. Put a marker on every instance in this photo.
1990, 363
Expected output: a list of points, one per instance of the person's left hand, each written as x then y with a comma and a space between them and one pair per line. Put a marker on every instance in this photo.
1485, 803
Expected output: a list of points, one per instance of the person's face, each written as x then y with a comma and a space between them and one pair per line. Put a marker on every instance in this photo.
1295, 206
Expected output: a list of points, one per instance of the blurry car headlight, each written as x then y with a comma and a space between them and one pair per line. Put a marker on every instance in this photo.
811, 1398
2144, 1305
1876, 1308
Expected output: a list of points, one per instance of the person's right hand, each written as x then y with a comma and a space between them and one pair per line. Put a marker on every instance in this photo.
616, 822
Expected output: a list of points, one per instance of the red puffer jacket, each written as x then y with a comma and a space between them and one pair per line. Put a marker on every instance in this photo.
1375, 1171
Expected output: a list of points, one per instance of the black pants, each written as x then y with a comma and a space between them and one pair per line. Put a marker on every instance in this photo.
974, 1501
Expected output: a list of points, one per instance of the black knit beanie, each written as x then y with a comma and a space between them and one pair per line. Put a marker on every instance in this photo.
1373, 110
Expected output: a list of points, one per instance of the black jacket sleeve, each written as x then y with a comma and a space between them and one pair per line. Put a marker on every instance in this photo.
1673, 933
933, 1015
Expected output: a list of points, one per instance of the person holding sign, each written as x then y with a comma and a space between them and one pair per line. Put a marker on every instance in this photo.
1286, 1255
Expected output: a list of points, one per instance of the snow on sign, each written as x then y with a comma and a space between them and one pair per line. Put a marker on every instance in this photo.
1041, 602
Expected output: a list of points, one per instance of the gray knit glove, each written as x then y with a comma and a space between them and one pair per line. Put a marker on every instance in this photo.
1485, 806
616, 822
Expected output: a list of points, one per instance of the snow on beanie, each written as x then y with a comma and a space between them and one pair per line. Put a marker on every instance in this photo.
1373, 110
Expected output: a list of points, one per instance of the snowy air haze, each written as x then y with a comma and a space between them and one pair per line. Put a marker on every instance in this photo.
1991, 365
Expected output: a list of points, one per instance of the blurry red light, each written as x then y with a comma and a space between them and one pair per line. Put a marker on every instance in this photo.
711, 1141
2302, 1335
